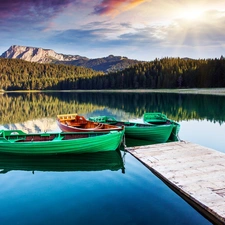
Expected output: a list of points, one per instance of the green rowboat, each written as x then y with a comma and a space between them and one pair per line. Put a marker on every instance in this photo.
145, 131
157, 118
16, 141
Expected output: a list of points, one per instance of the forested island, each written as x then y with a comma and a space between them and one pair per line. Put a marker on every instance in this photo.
172, 73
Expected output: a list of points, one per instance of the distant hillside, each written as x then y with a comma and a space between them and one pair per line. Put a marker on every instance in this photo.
40, 55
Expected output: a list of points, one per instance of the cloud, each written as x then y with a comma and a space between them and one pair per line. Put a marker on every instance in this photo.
207, 30
26, 12
105, 35
10, 8
115, 7
100, 26
77, 36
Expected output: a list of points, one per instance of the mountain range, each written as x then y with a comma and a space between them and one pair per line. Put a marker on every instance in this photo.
107, 64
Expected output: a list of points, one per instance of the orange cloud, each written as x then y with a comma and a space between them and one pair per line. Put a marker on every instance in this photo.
115, 7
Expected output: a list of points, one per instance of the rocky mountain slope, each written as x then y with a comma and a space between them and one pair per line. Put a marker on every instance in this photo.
40, 55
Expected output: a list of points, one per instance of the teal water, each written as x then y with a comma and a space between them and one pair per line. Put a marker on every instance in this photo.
92, 197
95, 189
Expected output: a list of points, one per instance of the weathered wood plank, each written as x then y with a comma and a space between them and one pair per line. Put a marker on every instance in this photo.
195, 172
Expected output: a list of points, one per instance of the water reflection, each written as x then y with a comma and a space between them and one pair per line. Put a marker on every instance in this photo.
99, 161
19, 107
102, 196
131, 142
198, 115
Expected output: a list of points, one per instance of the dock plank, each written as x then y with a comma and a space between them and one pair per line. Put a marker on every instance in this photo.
195, 172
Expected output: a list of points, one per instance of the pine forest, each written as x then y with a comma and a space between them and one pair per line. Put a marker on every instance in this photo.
165, 73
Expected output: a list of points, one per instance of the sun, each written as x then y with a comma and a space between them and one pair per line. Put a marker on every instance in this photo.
191, 13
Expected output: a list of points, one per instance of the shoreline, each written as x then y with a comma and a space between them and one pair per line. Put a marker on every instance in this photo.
205, 91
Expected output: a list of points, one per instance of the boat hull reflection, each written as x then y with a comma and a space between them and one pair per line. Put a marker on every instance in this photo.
132, 142
98, 161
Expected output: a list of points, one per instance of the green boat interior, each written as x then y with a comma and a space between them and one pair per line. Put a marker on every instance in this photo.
20, 136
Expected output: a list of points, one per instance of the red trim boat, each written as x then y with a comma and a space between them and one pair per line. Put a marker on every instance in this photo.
77, 123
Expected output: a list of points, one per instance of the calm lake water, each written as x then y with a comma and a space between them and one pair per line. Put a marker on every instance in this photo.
104, 188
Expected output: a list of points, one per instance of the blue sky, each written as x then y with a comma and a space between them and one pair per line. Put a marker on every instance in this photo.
137, 29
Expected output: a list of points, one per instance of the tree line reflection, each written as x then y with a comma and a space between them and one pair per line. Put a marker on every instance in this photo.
19, 107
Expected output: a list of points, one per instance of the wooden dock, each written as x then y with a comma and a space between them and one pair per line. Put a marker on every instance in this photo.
195, 172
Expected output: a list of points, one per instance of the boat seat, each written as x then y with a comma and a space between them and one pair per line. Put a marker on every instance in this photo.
73, 124
45, 135
16, 140
81, 120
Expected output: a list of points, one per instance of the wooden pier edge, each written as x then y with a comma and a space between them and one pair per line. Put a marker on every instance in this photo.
211, 215
206, 212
